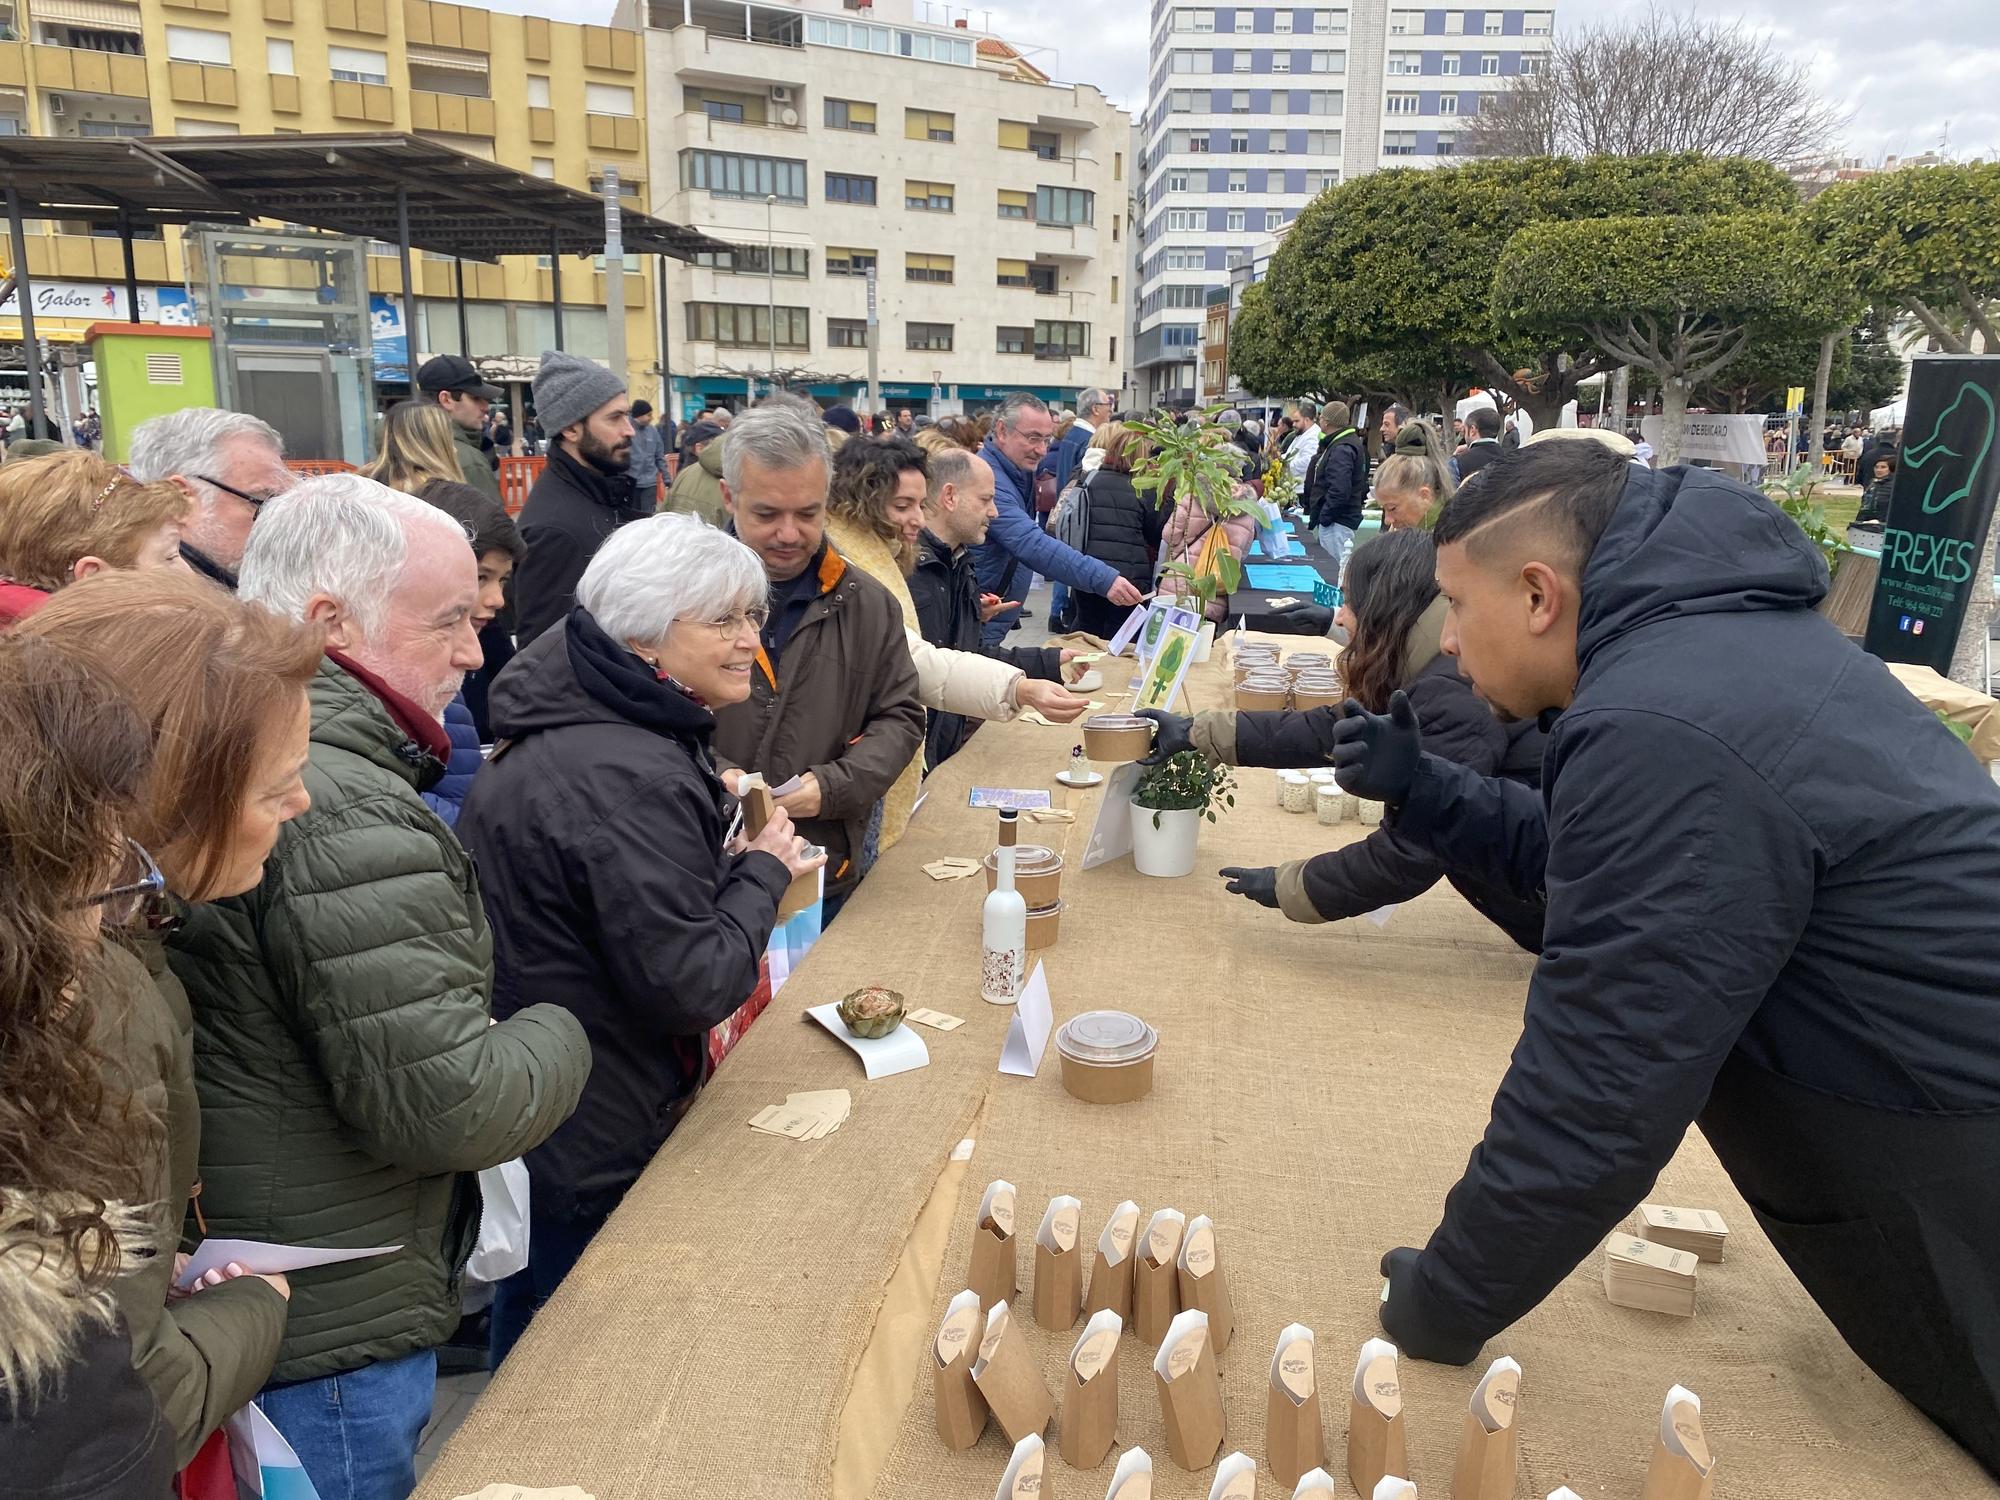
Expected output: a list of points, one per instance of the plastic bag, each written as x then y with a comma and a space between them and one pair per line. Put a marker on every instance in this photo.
503, 1224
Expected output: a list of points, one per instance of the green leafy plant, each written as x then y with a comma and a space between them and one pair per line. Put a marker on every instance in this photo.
1963, 731
1185, 782
1796, 494
1196, 461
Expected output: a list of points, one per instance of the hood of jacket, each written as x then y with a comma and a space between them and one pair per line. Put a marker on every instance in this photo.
353, 711
710, 457
1686, 541
44, 1306
576, 674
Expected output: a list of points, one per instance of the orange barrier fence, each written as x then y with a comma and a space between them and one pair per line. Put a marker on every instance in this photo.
319, 466
518, 476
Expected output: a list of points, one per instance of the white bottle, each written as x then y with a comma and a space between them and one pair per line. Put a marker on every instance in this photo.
1003, 937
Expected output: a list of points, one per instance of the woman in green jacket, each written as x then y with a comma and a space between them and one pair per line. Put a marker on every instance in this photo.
221, 686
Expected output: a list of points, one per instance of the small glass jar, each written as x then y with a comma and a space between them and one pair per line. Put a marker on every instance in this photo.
1295, 791
1326, 803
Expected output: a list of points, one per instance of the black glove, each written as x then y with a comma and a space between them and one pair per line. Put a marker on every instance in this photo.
1170, 735
1260, 886
1375, 755
1412, 1324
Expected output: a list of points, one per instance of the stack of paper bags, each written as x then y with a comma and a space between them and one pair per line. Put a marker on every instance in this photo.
805, 1117
1699, 1231
1653, 1278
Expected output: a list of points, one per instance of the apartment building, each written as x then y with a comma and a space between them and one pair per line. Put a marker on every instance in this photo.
863, 163
1254, 110
562, 101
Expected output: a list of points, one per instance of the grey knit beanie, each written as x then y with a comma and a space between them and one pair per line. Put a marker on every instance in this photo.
568, 389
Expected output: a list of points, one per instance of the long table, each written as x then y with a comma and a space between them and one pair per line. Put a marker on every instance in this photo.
755, 1320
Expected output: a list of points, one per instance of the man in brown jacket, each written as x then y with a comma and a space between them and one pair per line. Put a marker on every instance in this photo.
833, 696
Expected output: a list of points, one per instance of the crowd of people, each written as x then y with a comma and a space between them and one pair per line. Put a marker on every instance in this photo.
361, 838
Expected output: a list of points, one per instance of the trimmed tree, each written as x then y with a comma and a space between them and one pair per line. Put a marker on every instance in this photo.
1680, 298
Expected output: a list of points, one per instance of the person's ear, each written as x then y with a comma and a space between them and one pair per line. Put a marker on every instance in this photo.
1544, 594
328, 613
728, 500
87, 567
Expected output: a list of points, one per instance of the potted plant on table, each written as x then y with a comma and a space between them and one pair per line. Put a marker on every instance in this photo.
1195, 463
1169, 802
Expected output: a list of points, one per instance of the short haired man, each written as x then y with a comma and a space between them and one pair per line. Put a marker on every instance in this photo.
650, 441
1770, 873
1015, 543
229, 463
351, 1082
1093, 410
584, 494
1336, 484
958, 509
1303, 446
454, 383
1482, 431
904, 420
833, 699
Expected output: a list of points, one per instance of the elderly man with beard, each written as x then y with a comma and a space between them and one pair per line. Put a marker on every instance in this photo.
584, 494
351, 1079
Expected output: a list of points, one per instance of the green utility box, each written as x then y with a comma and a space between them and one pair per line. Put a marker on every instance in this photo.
144, 369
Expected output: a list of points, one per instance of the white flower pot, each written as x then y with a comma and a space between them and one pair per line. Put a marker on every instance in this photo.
1204, 640
1169, 849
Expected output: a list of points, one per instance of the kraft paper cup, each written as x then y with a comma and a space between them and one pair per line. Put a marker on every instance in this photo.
1116, 738
1107, 1056
1038, 872
1044, 926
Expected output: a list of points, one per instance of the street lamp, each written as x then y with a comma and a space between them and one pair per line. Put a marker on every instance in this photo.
771, 285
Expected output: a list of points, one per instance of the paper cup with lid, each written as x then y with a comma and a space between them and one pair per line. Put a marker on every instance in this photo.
1117, 737
1107, 1056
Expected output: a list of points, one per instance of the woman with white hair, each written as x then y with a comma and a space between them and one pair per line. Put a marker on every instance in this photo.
612, 888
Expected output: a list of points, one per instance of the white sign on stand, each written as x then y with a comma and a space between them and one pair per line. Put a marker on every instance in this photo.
1028, 1032
1111, 834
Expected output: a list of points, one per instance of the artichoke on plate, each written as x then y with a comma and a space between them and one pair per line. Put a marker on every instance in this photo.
872, 1011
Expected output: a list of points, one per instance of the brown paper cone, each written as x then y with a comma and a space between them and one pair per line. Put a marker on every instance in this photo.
1210, 1294
1110, 1286
1089, 1417
1191, 1408
1156, 1297
758, 806
1013, 1387
961, 1409
1485, 1468
1058, 1287
995, 1274
1375, 1446
1672, 1477
1294, 1436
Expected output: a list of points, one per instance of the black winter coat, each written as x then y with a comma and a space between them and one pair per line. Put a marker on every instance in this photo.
570, 511
1337, 483
598, 830
1771, 878
945, 589
1125, 531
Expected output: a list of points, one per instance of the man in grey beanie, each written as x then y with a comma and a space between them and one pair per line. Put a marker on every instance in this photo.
584, 494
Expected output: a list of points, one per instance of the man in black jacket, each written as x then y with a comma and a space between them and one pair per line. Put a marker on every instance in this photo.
950, 608
1337, 483
584, 494
1771, 875
1483, 445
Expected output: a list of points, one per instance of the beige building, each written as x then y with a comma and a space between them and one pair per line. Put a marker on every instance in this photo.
825, 143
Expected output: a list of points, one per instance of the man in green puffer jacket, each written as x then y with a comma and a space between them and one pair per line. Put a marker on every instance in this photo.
351, 1079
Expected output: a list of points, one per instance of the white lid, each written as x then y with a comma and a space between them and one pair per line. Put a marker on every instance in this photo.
1106, 1037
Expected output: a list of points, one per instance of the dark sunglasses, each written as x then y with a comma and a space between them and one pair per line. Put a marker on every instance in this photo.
126, 901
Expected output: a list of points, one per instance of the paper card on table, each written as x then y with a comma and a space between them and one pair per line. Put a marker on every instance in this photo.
1235, 1478
901, 1051
1156, 1293
1376, 1442
1318, 1485
1699, 1231
1111, 1271
1294, 1431
1020, 799
1090, 1394
1129, 630
1111, 834
1162, 673
1203, 1284
961, 1410
1050, 815
261, 1259
1133, 1478
1190, 1390
952, 867
1394, 1487
995, 1273
937, 1020
264, 1462
1487, 1443
1028, 1032
1059, 1266
1009, 1379
1682, 1467
1023, 1477
785, 1120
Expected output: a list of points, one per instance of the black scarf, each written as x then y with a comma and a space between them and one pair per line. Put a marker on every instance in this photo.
613, 491
612, 675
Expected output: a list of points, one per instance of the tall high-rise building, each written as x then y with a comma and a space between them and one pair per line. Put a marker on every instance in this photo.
1252, 110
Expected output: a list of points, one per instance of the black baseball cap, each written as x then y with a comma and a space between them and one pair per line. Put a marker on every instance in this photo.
454, 372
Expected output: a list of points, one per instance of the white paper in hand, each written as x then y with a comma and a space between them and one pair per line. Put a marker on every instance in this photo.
1028, 1032
267, 1260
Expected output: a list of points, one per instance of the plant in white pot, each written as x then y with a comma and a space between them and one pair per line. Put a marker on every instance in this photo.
1169, 802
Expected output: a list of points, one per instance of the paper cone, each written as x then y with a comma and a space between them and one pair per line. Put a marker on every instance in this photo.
1190, 1392
1294, 1432
993, 1275
1028, 1476
1487, 1445
1058, 1267
1111, 1268
1090, 1394
1009, 1380
1375, 1439
1682, 1468
1202, 1283
961, 1410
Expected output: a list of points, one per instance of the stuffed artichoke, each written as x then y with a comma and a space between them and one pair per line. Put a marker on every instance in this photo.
872, 1011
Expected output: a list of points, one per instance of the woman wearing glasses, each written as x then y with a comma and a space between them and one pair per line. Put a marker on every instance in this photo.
609, 876
71, 515
220, 686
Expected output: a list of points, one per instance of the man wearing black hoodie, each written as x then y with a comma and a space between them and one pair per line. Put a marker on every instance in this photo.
1770, 875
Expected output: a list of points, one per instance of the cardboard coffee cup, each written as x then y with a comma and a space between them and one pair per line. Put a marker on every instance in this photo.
1117, 737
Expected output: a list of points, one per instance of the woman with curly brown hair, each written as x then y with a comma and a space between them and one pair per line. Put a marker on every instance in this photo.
71, 515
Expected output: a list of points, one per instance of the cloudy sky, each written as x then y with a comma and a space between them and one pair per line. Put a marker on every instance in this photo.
1911, 72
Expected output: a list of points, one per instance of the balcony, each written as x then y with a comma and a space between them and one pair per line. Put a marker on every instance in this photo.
1066, 241
90, 72
612, 132
698, 55
201, 83
694, 127
373, 102
450, 114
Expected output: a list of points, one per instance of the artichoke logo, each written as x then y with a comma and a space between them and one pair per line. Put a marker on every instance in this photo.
1977, 423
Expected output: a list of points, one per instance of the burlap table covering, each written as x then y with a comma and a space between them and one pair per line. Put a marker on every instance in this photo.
1317, 1092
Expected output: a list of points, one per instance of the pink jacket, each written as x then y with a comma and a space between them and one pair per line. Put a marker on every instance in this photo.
1182, 543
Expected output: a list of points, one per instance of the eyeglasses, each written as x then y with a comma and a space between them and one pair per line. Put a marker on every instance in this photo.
255, 502
729, 627
141, 883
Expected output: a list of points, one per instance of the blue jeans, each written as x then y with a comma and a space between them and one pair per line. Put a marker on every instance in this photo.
554, 1248
357, 1433
1339, 542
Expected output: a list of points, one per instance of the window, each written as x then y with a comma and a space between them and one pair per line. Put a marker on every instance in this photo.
1189, 62
1489, 66
538, 93
756, 260
843, 261
1233, 222
1319, 182
278, 55
188, 44
1239, 182
1330, 23
742, 325
1197, 143
1236, 258
1329, 62
1118, 166
1061, 340
1114, 291
1181, 102
1184, 296
608, 98
1406, 23
1239, 61
1492, 23
823, 31
936, 269
935, 336
1186, 220
1015, 204
1281, 62
543, 166
1011, 340
727, 175
929, 125
1274, 218
1194, 20
1281, 23
1402, 104
1447, 145
1450, 64
1180, 335
357, 65
850, 114
1454, 23
843, 188
1323, 143
1246, 20
1239, 143
1239, 102
846, 333
1177, 182
928, 197
1538, 23
1399, 143
1045, 144
1061, 205
1532, 65
1186, 260
1114, 229
1447, 104
1326, 102
1405, 64
728, 110
1010, 273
